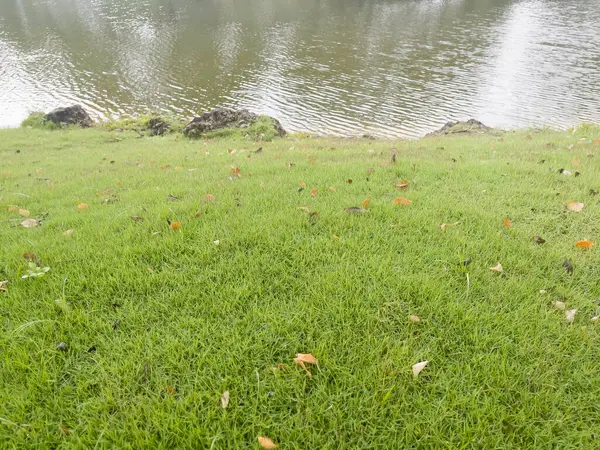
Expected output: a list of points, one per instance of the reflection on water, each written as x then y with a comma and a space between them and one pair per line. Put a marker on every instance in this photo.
384, 67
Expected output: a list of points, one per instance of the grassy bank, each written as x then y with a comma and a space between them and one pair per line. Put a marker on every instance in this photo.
132, 336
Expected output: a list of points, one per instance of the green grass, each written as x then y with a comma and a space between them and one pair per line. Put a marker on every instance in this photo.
506, 370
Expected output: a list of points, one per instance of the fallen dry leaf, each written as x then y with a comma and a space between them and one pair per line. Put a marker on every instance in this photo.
365, 204
305, 358
584, 244
175, 225
539, 240
225, 399
402, 185
289, 165
507, 223
302, 184
559, 305
209, 198
414, 318
82, 206
13, 208
64, 429
349, 180
235, 171
68, 233
331, 188
497, 268
150, 270
418, 368
570, 315
30, 223
30, 257
314, 192
575, 206
137, 218
402, 201
171, 390
24, 212
3, 285
267, 443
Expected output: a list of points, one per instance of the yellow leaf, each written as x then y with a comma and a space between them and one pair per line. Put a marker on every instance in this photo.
584, 244
30, 223
497, 268
267, 443
418, 368
82, 206
575, 206
225, 399
402, 201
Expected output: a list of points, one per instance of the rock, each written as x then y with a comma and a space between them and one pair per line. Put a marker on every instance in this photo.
220, 118
157, 126
468, 128
71, 115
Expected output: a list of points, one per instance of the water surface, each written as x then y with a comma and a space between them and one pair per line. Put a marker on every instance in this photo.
388, 68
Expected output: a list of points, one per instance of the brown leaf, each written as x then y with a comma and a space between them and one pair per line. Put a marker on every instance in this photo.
539, 240
209, 198
24, 212
13, 208
402, 185
267, 443
402, 201
225, 399
349, 180
30, 223
314, 192
306, 358
575, 206
584, 244
365, 204
64, 429
82, 206
235, 171
171, 390
30, 257
507, 223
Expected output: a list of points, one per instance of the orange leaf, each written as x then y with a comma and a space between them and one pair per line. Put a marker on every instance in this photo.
584, 244
82, 206
302, 184
176, 225
366, 203
575, 206
171, 390
267, 443
402, 201
507, 223
306, 358
314, 192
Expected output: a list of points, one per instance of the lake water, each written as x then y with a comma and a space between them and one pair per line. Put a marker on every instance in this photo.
347, 67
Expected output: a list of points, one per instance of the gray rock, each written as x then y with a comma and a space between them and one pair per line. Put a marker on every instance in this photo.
157, 126
220, 118
470, 127
71, 115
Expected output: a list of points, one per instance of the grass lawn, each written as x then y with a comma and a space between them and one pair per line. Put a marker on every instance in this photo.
132, 336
